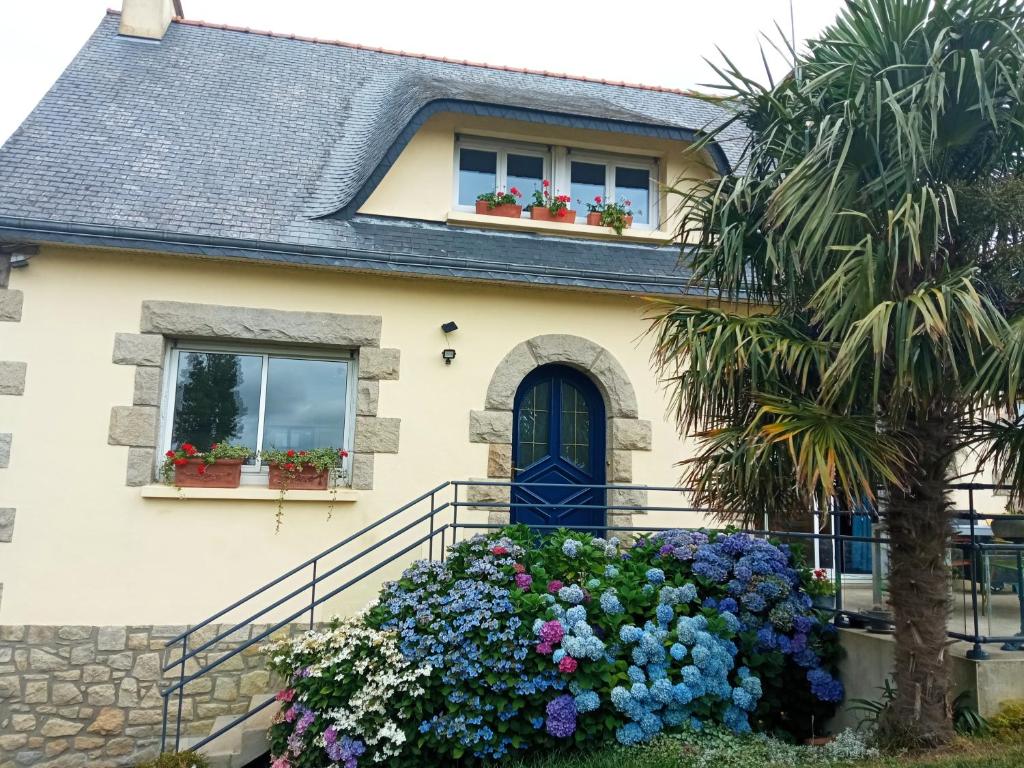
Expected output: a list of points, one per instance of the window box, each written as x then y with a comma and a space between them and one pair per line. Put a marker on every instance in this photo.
196, 473
594, 220
303, 479
508, 211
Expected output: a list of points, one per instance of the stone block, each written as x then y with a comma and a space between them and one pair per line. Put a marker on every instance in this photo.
5, 449
147, 385
40, 635
367, 396
66, 693
141, 466
499, 461
11, 742
41, 661
55, 726
490, 427
128, 693
563, 348
11, 303
36, 692
74, 632
375, 434
254, 683
615, 385
621, 469
111, 638
95, 673
379, 364
225, 689
145, 716
109, 721
23, 722
138, 349
12, 633
88, 742
488, 494
362, 471
631, 435
120, 661
119, 747
501, 391
101, 695
212, 321
10, 687
6, 524
83, 654
12, 377
133, 425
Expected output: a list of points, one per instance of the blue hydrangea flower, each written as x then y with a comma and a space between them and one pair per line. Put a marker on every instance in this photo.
572, 594
656, 576
610, 603
588, 701
571, 547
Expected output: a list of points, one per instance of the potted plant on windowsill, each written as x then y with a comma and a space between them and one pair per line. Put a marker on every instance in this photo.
500, 204
547, 206
292, 470
821, 589
219, 467
605, 213
301, 470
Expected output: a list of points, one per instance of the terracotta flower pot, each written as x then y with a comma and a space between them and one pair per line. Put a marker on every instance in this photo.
196, 473
594, 219
538, 213
305, 479
508, 211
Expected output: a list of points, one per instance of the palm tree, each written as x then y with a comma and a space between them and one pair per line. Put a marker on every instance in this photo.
864, 327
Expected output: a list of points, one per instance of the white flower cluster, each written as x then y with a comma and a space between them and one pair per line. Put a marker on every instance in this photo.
369, 659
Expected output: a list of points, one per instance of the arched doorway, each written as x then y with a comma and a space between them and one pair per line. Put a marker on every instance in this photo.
558, 450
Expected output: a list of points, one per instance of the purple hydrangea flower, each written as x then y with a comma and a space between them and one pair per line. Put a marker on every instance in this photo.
561, 717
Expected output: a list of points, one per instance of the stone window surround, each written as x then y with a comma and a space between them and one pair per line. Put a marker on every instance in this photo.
137, 425
625, 431
12, 383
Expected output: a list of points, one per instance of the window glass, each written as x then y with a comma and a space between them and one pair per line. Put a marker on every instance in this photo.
525, 173
534, 425
217, 399
588, 180
575, 425
478, 173
633, 185
305, 403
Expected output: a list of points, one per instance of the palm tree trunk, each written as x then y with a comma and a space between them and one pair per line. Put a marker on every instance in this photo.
919, 529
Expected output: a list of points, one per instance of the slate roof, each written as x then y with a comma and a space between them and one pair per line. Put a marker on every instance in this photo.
249, 145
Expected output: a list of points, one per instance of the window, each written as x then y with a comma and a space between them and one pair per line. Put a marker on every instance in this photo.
489, 165
621, 181
484, 166
263, 400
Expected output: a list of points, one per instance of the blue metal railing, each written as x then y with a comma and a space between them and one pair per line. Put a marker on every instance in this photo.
427, 525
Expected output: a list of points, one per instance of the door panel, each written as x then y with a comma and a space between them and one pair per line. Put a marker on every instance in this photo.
558, 450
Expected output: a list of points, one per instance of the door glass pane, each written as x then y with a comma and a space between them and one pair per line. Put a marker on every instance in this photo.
575, 438
305, 404
478, 173
217, 399
633, 186
588, 180
534, 425
525, 173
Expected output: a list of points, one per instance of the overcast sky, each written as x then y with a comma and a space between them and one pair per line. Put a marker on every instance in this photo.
657, 42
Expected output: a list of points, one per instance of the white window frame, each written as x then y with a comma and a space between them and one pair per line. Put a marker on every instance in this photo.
610, 163
257, 472
503, 150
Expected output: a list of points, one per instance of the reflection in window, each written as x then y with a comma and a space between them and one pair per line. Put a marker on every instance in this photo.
588, 181
575, 437
634, 185
305, 403
217, 399
534, 425
525, 173
478, 173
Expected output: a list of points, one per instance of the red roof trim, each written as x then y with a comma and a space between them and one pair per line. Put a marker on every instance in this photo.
425, 56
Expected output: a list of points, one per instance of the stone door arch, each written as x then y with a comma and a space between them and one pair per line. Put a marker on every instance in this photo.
626, 432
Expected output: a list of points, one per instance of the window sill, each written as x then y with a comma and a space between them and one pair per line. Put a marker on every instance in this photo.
247, 493
467, 219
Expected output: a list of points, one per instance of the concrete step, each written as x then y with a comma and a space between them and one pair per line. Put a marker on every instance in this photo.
242, 744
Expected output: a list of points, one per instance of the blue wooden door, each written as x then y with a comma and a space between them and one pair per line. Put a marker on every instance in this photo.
558, 450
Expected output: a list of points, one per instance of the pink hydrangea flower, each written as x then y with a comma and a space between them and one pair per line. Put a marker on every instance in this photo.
286, 695
544, 649
552, 632
554, 586
281, 762
519, 568
567, 665
524, 580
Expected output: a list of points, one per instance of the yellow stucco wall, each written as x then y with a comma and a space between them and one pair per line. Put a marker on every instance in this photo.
87, 549
420, 183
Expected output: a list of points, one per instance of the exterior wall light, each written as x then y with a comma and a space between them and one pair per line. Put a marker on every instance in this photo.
448, 354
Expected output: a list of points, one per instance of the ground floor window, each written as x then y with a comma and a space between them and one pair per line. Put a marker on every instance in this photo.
260, 399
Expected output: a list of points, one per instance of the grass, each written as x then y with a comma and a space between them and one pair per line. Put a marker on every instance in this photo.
671, 753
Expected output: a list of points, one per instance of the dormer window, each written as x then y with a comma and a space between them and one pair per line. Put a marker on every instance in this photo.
489, 165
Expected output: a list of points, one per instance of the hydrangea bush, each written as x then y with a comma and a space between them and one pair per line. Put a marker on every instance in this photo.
522, 643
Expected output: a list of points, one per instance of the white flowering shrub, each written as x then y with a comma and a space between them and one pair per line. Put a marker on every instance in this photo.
351, 690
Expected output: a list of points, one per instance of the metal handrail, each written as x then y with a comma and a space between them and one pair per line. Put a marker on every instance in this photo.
437, 529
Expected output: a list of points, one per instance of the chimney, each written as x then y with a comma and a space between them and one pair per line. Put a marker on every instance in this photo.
148, 18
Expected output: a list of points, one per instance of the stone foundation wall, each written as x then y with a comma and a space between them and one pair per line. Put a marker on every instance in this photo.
90, 696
